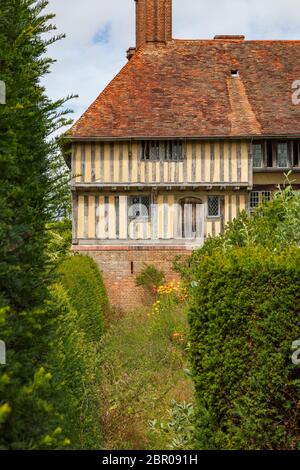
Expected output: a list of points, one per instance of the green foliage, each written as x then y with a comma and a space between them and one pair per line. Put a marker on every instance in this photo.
150, 278
274, 224
180, 425
60, 240
244, 316
33, 189
74, 365
33, 195
83, 282
167, 310
141, 373
48, 389
50, 386
28, 414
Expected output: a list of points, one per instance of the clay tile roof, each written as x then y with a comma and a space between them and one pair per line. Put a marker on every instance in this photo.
201, 88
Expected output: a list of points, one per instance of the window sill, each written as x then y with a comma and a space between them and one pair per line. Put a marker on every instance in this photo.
139, 219
276, 169
165, 160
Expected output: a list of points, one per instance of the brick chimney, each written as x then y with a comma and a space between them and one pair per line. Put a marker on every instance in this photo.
153, 21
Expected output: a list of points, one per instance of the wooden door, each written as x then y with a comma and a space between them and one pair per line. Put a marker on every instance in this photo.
192, 219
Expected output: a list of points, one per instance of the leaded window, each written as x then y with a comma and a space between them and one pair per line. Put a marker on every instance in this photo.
138, 207
282, 155
155, 150
213, 206
173, 150
259, 197
257, 153
150, 150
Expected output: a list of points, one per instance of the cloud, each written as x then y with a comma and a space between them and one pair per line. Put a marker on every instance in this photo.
99, 32
103, 34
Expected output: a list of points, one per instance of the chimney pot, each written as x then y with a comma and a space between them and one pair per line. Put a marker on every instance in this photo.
130, 52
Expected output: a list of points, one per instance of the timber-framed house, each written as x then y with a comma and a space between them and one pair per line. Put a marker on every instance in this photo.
187, 135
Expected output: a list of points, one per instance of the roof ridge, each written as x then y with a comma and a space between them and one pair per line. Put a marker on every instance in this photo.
219, 41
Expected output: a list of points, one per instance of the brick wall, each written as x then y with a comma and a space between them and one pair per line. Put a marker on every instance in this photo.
117, 264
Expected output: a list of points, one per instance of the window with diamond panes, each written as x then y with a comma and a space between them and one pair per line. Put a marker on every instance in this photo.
138, 207
282, 155
257, 153
258, 197
213, 209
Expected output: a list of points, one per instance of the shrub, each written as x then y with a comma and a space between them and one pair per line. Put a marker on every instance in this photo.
138, 384
170, 306
73, 362
60, 240
180, 424
150, 278
29, 418
274, 224
34, 193
34, 188
83, 282
244, 316
50, 385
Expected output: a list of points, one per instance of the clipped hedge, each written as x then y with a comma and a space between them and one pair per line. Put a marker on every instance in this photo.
244, 316
49, 388
73, 362
29, 418
83, 282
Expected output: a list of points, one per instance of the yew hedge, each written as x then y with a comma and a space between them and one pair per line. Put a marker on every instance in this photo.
244, 315
50, 385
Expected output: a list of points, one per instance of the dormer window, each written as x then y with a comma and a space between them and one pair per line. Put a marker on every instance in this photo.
169, 150
235, 73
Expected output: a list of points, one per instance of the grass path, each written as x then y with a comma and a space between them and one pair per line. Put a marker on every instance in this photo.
142, 372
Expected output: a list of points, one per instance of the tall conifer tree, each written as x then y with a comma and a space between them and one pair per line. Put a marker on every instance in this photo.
33, 192
31, 174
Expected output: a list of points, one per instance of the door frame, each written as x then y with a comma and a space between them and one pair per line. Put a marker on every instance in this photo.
194, 201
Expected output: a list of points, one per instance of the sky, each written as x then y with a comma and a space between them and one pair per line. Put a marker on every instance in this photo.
98, 33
